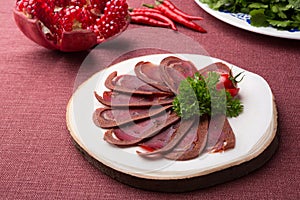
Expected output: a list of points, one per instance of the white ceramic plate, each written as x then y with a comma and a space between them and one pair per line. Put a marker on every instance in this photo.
254, 128
240, 20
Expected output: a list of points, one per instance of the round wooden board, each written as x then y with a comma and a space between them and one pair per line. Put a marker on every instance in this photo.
177, 177
191, 183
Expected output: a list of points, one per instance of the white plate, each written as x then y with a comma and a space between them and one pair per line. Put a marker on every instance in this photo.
254, 128
240, 20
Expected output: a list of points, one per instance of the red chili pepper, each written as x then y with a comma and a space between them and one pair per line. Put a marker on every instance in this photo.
178, 11
139, 10
175, 17
141, 19
156, 16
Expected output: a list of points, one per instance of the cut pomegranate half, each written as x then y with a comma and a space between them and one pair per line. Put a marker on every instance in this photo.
73, 25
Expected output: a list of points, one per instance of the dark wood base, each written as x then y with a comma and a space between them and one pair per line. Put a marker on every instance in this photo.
189, 184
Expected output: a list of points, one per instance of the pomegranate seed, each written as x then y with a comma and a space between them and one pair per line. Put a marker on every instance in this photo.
103, 17
113, 19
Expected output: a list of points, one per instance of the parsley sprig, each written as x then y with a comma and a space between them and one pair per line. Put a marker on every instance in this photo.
199, 96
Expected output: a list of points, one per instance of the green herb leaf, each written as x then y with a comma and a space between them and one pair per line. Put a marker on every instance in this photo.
199, 96
258, 18
281, 14
257, 5
295, 3
280, 23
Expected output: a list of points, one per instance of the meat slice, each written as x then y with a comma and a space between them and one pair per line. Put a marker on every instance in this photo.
183, 128
173, 70
118, 99
134, 133
109, 118
170, 60
149, 73
192, 144
215, 67
220, 135
131, 84
161, 139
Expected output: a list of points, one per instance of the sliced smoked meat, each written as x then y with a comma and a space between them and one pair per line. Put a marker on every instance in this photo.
131, 84
173, 70
136, 132
139, 112
170, 60
183, 128
162, 139
109, 118
220, 134
118, 99
216, 67
149, 73
193, 142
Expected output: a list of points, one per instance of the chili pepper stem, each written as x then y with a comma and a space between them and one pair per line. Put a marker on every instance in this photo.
149, 5
234, 78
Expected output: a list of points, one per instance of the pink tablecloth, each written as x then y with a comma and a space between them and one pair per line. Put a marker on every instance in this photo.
39, 160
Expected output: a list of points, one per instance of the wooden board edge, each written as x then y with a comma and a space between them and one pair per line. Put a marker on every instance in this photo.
189, 184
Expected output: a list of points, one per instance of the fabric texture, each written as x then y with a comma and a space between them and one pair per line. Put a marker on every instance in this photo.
39, 161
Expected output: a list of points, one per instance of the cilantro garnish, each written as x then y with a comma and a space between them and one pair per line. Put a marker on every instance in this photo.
281, 14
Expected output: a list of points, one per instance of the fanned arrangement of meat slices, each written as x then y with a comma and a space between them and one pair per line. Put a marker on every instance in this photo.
138, 112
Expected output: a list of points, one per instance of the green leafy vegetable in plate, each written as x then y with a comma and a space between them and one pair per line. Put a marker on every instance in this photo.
280, 14
199, 95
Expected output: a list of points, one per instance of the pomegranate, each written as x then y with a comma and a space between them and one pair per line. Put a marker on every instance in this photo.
71, 25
